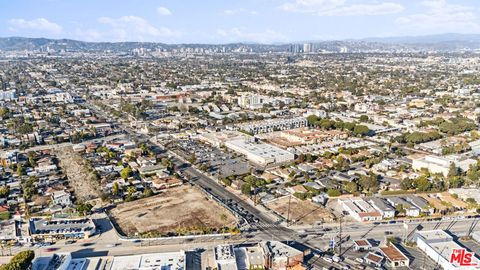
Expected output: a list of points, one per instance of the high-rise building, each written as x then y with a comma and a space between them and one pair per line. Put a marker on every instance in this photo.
307, 47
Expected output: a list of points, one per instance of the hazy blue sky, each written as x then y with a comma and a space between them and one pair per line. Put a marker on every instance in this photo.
221, 21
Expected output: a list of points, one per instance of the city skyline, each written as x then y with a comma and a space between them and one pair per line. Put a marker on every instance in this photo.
258, 21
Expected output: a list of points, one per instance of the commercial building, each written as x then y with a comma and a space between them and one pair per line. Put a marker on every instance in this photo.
279, 256
271, 125
438, 164
64, 261
317, 113
249, 257
225, 257
440, 246
164, 261
46, 230
476, 236
218, 139
312, 136
465, 193
58, 261
255, 101
260, 153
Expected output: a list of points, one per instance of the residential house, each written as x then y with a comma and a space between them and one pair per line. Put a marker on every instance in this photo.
394, 256
383, 207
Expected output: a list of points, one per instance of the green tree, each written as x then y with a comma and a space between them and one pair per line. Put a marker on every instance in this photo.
115, 188
312, 119
364, 118
361, 130
4, 190
348, 126
455, 182
227, 181
351, 187
167, 163
473, 174
246, 189
20, 170
126, 172
21, 261
453, 171
131, 190
423, 184
192, 159
148, 192
369, 183
4, 112
333, 192
84, 208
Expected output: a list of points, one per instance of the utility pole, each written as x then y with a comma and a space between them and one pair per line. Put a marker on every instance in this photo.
255, 192
340, 236
288, 211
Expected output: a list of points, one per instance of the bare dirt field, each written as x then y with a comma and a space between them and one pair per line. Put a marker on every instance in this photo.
180, 210
80, 175
301, 212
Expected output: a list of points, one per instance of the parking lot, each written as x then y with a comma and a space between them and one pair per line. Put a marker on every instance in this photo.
217, 162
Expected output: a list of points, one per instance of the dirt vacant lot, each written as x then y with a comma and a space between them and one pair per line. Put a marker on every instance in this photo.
180, 210
301, 212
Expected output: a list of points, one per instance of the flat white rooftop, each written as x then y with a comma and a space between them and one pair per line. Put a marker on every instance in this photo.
164, 261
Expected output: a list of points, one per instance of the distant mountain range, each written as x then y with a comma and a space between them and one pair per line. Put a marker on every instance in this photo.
441, 42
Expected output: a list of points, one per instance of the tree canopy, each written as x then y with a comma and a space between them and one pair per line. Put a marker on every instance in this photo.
21, 261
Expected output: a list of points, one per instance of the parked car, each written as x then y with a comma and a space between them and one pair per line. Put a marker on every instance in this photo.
360, 260
327, 259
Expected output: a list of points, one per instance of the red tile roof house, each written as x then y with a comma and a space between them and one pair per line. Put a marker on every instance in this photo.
361, 245
373, 259
395, 257
3, 208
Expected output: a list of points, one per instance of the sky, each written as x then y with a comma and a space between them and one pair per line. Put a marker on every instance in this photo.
227, 21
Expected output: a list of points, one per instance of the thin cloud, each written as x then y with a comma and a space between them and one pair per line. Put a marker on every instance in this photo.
362, 10
441, 16
242, 34
341, 8
163, 11
238, 11
134, 28
40, 24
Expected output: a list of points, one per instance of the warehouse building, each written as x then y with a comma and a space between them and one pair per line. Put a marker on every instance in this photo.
49, 230
260, 153
440, 246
